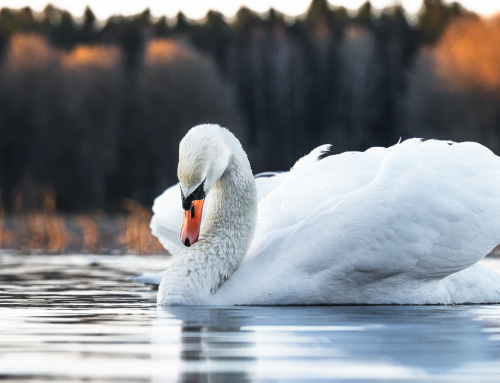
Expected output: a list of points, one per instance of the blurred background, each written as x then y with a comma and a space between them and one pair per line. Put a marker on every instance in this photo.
92, 109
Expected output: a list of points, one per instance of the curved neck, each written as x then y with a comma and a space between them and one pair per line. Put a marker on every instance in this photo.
226, 234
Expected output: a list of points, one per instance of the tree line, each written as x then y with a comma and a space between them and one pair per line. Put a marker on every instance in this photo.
96, 110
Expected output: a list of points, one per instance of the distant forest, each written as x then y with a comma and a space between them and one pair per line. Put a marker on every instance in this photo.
95, 110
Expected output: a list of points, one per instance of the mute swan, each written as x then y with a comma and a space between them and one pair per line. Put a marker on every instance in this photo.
399, 225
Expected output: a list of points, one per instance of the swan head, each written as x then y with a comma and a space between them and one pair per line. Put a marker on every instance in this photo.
204, 154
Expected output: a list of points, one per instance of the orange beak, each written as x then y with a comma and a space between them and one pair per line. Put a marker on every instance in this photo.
191, 223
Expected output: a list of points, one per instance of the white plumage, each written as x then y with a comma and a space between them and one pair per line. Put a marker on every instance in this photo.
399, 225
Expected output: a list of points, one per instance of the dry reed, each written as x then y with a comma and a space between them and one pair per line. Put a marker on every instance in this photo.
37, 227
137, 233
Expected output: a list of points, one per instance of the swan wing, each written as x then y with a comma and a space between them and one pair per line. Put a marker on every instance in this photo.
167, 219
373, 227
432, 210
316, 182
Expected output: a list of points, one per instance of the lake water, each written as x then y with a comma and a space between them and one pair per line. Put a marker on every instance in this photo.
78, 319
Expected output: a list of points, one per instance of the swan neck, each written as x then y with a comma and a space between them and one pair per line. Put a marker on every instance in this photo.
232, 199
225, 237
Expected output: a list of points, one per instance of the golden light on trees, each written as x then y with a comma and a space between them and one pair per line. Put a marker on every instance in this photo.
101, 56
468, 54
29, 52
163, 51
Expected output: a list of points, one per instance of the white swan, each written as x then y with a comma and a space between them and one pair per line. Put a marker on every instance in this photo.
399, 225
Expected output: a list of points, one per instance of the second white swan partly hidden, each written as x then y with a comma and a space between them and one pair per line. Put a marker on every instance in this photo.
399, 225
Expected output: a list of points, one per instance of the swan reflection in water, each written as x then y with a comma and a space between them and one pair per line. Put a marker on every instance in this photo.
213, 348
237, 344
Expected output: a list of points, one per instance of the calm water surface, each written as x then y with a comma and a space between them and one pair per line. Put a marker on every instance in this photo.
78, 319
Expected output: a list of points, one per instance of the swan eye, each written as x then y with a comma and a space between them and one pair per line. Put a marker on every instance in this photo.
198, 194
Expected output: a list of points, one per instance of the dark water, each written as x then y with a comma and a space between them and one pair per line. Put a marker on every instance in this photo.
77, 319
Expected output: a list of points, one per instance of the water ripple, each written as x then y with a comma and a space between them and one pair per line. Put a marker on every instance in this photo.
77, 318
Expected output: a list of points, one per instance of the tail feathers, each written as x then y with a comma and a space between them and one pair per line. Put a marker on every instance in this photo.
149, 278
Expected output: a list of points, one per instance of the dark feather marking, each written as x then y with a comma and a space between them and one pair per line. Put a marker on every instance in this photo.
198, 194
326, 153
266, 174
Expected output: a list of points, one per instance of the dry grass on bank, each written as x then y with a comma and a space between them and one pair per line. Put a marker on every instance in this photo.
36, 226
